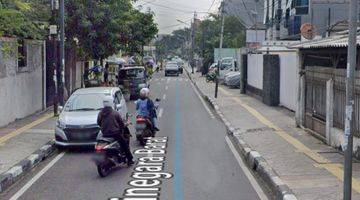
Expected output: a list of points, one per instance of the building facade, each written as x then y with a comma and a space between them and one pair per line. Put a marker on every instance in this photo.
284, 18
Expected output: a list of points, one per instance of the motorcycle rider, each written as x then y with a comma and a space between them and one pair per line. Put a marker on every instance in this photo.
146, 108
112, 126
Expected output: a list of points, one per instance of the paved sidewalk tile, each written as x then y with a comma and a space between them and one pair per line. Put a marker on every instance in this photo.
295, 155
21, 138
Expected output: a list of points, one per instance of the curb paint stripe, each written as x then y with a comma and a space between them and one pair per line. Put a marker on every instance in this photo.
19, 193
246, 171
334, 169
23, 129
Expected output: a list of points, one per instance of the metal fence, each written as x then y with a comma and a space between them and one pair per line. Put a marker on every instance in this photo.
316, 78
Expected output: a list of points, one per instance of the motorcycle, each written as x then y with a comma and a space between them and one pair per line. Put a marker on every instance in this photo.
210, 77
144, 127
108, 154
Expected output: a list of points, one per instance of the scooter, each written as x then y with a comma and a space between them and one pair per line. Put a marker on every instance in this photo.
108, 154
144, 127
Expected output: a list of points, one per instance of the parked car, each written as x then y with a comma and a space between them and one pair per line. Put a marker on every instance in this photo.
172, 69
227, 65
77, 122
232, 79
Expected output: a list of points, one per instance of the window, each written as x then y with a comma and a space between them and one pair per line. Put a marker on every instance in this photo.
118, 97
22, 55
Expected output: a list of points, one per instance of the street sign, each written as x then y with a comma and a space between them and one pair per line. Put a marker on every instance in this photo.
53, 29
307, 31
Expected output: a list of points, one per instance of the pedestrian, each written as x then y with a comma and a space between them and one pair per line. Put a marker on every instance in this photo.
106, 74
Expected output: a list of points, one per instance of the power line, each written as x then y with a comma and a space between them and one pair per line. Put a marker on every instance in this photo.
211, 5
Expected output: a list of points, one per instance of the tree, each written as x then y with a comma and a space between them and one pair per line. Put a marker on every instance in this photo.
208, 36
102, 28
15, 21
174, 43
142, 30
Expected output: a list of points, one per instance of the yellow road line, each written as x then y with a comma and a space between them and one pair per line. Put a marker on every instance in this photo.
334, 169
21, 130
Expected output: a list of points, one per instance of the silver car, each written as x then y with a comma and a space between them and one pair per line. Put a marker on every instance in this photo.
77, 123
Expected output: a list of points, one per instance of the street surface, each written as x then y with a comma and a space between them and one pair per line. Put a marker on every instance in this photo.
197, 155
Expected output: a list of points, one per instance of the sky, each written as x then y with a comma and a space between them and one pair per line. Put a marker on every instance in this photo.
168, 12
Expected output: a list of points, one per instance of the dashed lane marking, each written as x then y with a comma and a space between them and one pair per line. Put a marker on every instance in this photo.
166, 87
161, 111
164, 96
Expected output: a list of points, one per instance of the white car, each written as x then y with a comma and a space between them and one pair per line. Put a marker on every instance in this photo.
227, 65
77, 123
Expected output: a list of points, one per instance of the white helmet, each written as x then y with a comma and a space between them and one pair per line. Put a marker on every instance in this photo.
108, 101
144, 92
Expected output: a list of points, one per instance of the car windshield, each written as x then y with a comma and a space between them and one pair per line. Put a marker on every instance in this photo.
132, 73
171, 66
85, 102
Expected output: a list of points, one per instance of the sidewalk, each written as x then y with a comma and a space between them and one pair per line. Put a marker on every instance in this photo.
311, 169
19, 140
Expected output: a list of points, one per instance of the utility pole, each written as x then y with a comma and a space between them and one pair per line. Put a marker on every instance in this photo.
55, 67
192, 61
349, 115
255, 21
220, 49
62, 53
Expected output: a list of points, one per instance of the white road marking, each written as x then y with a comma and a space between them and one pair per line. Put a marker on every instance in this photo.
168, 80
246, 171
36, 177
166, 87
161, 112
164, 96
203, 102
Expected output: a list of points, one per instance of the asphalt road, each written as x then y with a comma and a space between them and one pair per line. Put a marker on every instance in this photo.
197, 155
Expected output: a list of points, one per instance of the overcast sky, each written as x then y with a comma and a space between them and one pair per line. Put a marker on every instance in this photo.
169, 11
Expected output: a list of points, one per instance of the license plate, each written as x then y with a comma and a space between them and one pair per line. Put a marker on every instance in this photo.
140, 126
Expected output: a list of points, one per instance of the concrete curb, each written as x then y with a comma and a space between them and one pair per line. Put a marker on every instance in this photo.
23, 167
253, 158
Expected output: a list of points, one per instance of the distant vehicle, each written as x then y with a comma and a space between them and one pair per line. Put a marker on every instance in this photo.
132, 80
77, 123
172, 69
179, 62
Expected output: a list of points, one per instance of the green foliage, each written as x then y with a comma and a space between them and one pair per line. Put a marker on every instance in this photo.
174, 44
22, 19
142, 30
208, 36
13, 23
105, 27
